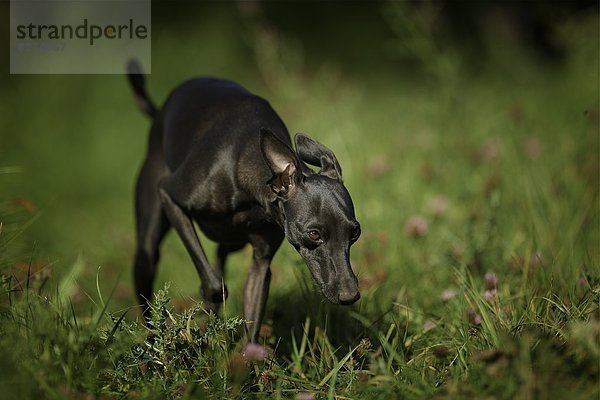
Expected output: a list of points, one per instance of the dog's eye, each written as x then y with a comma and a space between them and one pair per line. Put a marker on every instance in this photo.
314, 235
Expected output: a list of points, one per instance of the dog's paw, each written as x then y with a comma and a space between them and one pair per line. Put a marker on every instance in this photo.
216, 295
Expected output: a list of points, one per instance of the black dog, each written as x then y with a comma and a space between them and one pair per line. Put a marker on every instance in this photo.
219, 155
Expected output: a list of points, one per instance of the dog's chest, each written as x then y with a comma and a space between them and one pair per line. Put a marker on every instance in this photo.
232, 227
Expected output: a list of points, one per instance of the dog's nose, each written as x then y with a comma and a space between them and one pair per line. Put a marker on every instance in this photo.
348, 297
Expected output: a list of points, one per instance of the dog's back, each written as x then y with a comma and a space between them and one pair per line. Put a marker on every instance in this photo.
205, 120
214, 118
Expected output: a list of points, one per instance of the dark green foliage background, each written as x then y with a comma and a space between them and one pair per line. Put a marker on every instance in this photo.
459, 103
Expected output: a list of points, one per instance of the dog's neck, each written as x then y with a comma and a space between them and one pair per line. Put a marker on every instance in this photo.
275, 210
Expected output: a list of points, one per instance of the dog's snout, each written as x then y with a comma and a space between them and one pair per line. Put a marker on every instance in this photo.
347, 298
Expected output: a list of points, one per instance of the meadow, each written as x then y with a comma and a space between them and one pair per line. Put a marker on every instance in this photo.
475, 182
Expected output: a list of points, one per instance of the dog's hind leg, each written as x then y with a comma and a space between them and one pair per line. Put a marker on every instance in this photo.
152, 225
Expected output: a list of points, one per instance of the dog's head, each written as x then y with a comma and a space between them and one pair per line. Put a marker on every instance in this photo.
318, 211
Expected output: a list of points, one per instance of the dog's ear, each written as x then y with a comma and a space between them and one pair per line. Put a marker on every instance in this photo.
314, 153
282, 161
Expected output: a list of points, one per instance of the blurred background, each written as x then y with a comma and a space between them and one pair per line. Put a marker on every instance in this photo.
467, 131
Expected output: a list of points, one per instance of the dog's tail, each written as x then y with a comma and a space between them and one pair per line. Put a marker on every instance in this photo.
138, 84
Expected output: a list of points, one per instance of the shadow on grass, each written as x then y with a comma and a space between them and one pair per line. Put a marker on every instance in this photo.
301, 307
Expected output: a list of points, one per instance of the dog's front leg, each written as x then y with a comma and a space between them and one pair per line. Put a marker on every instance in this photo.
255, 296
264, 244
212, 286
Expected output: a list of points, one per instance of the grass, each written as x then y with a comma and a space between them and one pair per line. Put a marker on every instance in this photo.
496, 168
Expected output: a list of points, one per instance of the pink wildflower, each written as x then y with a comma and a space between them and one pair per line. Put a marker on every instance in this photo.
438, 206
491, 281
473, 317
254, 352
490, 295
416, 226
447, 294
